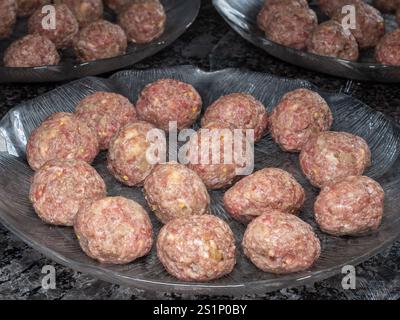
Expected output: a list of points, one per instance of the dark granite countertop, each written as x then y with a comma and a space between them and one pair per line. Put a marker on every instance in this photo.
211, 45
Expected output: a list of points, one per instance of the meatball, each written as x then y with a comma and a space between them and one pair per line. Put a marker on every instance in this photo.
61, 136
105, 113
370, 25
387, 5
291, 27
27, 7
271, 6
143, 20
127, 160
85, 11
169, 100
117, 5
66, 26
281, 243
174, 191
332, 40
197, 248
8, 17
266, 190
114, 230
100, 40
31, 51
60, 187
328, 7
350, 207
332, 156
388, 49
218, 161
238, 111
299, 115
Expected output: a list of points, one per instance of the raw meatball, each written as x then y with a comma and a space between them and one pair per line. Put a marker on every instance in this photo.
291, 27
85, 11
331, 39
60, 187
265, 190
388, 49
114, 230
27, 7
105, 113
66, 26
206, 156
270, 6
174, 191
350, 207
61, 136
332, 156
117, 5
8, 17
127, 160
238, 111
100, 40
299, 115
143, 20
31, 51
197, 248
387, 5
370, 25
169, 100
281, 243
328, 7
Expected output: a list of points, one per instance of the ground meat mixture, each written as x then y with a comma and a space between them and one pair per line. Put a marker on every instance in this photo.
328, 7
388, 49
61, 136
100, 40
127, 160
332, 156
350, 207
105, 113
332, 40
281, 243
299, 115
265, 190
8, 17
206, 156
27, 7
169, 100
117, 5
271, 6
197, 248
60, 187
174, 191
31, 51
387, 5
370, 25
114, 230
238, 111
143, 20
85, 11
66, 26
291, 27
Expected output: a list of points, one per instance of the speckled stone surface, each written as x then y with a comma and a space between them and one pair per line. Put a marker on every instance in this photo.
209, 44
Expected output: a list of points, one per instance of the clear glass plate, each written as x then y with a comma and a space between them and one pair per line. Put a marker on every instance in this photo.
241, 16
16, 213
180, 15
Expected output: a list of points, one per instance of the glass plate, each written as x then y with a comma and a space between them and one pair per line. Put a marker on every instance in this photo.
16, 213
241, 16
180, 15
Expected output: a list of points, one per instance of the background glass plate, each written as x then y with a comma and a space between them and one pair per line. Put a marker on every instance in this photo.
180, 15
241, 16
16, 213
